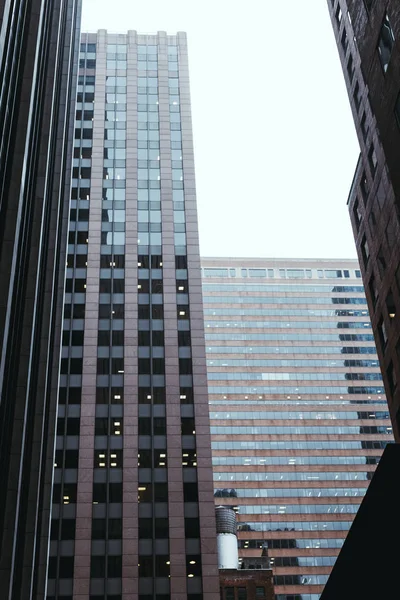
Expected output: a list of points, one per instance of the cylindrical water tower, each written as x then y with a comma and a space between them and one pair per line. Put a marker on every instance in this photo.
228, 557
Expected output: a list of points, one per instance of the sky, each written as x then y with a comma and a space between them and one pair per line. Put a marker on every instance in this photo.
274, 141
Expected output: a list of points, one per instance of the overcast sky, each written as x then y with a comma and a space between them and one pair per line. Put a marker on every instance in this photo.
274, 141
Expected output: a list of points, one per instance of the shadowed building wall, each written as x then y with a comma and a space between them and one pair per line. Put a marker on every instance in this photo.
38, 59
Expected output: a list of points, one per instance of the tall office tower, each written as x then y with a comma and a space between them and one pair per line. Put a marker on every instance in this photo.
298, 413
368, 39
133, 512
38, 42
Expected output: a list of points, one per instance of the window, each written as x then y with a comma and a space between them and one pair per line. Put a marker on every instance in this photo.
338, 15
390, 233
260, 591
192, 528
356, 213
364, 187
242, 593
350, 68
373, 161
257, 272
66, 567
364, 126
397, 110
357, 95
190, 492
145, 566
214, 272
372, 289
114, 566
97, 566
381, 262
382, 334
372, 220
390, 305
365, 250
344, 41
385, 43
333, 273
397, 277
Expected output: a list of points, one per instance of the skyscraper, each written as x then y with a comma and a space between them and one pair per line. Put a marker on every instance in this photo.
297, 408
133, 511
368, 39
38, 44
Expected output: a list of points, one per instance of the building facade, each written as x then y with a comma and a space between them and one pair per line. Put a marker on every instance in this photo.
298, 412
39, 42
248, 584
133, 509
367, 33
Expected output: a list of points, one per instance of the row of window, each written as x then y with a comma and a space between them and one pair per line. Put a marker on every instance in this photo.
301, 509
284, 544
324, 415
283, 273
300, 579
280, 376
240, 593
117, 61
285, 312
287, 325
299, 445
249, 461
233, 389
254, 362
338, 430
294, 597
291, 337
314, 349
237, 299
327, 402
293, 476
250, 287
288, 492
295, 526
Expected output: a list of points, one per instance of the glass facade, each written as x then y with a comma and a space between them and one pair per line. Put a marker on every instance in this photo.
132, 421
298, 412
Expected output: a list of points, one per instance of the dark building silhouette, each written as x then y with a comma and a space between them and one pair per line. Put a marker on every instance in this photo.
38, 45
368, 38
374, 526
